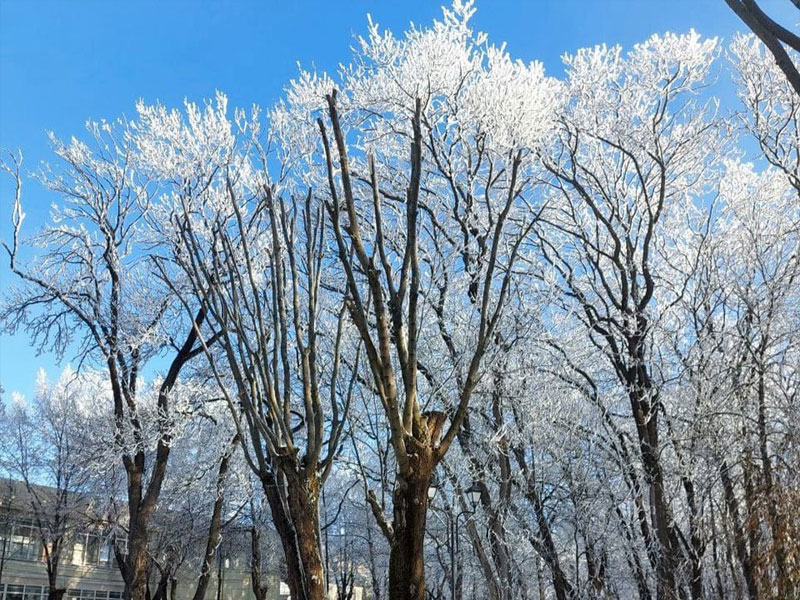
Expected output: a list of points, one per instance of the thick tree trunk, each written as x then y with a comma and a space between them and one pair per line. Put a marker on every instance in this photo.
286, 534
644, 405
304, 510
136, 562
55, 593
406, 558
667, 562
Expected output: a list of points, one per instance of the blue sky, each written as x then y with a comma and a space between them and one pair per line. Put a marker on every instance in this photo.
63, 62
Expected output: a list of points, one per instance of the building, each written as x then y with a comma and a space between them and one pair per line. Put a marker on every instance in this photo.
88, 569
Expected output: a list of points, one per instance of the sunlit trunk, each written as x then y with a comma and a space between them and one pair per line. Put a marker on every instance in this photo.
304, 509
287, 536
137, 560
406, 558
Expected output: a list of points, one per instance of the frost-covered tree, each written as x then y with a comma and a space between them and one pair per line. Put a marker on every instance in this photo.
772, 107
781, 42
743, 365
43, 445
427, 145
440, 265
88, 289
636, 151
252, 254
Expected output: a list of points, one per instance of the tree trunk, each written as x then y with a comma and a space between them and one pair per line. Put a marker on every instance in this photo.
286, 534
304, 510
136, 562
644, 402
697, 544
546, 545
493, 588
406, 557
783, 580
256, 576
163, 585
54, 592
738, 534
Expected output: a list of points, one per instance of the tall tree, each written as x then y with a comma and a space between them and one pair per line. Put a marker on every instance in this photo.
253, 255
427, 146
89, 290
634, 151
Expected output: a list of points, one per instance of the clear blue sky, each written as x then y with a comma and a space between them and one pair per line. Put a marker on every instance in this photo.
63, 62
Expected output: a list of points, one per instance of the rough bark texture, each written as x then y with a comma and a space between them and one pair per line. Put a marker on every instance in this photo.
304, 508
406, 562
136, 562
287, 536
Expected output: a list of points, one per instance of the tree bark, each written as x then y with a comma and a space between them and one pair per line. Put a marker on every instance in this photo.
286, 534
646, 419
54, 592
304, 510
406, 563
136, 562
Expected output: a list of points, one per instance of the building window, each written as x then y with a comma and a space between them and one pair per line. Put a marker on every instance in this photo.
78, 547
33, 592
20, 592
106, 555
93, 543
15, 592
23, 541
81, 594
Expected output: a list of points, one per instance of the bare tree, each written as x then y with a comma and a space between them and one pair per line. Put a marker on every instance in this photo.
429, 210
253, 258
622, 165
43, 447
90, 289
